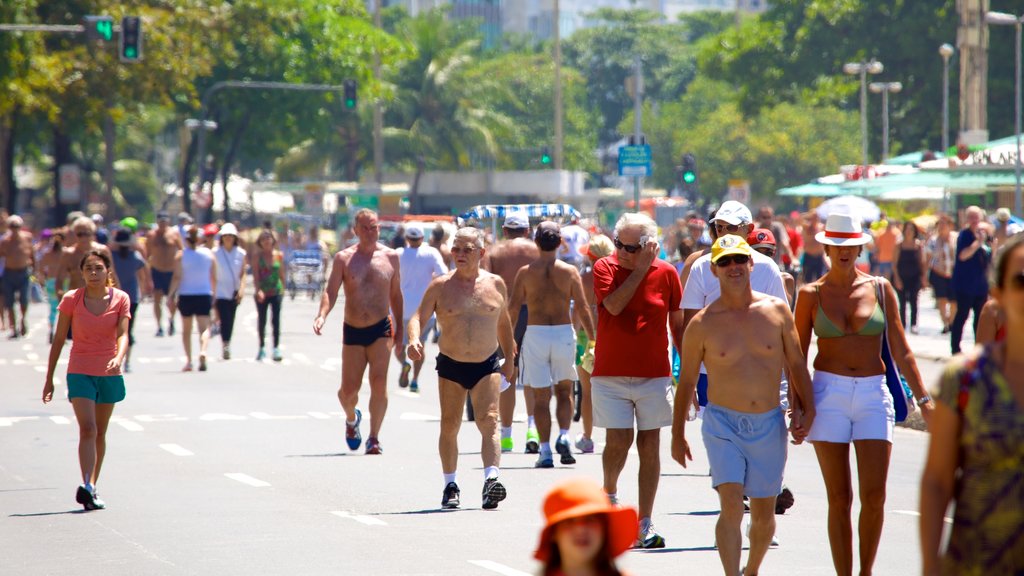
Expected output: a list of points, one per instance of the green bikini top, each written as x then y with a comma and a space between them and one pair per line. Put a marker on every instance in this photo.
825, 328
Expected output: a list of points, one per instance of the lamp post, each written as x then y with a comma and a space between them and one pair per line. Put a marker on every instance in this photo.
885, 88
1003, 19
863, 69
946, 51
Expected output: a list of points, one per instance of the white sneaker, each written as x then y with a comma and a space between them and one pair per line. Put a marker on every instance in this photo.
584, 445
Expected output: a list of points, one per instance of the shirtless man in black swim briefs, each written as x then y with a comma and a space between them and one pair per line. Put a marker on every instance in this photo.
369, 272
470, 304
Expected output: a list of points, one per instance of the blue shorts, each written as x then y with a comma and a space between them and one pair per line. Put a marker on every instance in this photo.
747, 449
99, 389
161, 280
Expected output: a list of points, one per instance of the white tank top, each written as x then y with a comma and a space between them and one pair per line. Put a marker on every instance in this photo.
195, 272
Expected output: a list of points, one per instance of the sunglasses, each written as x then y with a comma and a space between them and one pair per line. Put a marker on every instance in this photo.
770, 252
631, 248
720, 226
466, 250
726, 261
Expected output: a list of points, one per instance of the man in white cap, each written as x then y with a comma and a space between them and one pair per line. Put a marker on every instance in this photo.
18, 260
505, 260
419, 265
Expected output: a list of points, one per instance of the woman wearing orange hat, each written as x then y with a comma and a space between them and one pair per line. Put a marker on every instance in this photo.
584, 532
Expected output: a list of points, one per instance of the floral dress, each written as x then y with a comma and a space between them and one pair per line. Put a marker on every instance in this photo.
988, 521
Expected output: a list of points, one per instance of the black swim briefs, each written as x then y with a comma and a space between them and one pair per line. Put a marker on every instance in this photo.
466, 374
352, 336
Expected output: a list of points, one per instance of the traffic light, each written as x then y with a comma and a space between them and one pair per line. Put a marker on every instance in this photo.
688, 176
99, 28
130, 48
350, 94
545, 156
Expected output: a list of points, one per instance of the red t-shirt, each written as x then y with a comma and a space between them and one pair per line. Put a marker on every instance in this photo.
95, 337
795, 242
635, 343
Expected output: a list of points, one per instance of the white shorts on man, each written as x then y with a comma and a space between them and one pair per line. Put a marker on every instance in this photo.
548, 355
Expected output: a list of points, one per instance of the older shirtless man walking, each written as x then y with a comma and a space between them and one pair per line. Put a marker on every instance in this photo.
83, 234
549, 286
505, 260
163, 244
470, 304
369, 272
18, 260
745, 339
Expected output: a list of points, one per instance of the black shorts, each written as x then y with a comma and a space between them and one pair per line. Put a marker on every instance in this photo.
466, 374
161, 280
352, 336
941, 285
194, 305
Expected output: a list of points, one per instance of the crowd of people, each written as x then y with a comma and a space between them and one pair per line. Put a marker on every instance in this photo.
646, 328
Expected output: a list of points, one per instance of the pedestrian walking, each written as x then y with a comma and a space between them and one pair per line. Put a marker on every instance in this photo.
133, 271
941, 256
49, 262
975, 453
638, 299
99, 315
194, 283
419, 265
970, 273
470, 304
369, 272
851, 312
19, 259
583, 532
163, 244
599, 247
231, 259
909, 273
269, 272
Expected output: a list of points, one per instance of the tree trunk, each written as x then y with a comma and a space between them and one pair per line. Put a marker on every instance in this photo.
8, 187
229, 160
109, 139
61, 155
185, 182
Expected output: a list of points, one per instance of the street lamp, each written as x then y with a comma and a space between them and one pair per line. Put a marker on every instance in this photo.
863, 69
885, 88
1003, 19
946, 51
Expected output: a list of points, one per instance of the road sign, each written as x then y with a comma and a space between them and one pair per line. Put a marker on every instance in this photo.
70, 183
635, 160
739, 190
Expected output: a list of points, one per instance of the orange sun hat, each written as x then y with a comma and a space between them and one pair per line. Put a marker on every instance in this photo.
579, 497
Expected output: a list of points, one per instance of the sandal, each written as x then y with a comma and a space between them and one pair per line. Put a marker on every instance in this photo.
187, 368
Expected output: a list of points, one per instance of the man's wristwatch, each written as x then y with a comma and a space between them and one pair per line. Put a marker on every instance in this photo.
924, 400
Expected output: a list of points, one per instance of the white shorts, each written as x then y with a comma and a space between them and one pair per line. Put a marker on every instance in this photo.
548, 355
424, 330
848, 409
619, 401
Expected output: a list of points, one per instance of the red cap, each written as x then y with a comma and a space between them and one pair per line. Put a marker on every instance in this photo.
761, 237
210, 230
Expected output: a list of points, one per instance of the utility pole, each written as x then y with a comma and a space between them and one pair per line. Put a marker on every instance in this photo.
638, 95
378, 112
558, 89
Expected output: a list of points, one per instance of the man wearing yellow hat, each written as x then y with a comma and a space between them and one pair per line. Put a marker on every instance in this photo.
744, 428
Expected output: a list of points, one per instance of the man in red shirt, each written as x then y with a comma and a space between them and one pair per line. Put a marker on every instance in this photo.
638, 298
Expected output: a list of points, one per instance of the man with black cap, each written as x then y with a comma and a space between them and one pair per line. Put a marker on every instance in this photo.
163, 244
548, 287
505, 260
419, 265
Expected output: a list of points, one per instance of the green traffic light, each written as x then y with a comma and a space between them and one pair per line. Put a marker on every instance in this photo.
350, 103
129, 52
545, 159
689, 177
105, 28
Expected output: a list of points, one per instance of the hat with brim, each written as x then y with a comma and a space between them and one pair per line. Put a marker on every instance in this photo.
598, 247
229, 230
842, 230
580, 497
727, 246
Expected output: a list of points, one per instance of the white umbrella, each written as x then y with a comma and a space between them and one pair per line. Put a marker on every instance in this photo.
860, 208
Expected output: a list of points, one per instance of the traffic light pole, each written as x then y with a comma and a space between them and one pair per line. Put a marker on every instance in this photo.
638, 97
204, 107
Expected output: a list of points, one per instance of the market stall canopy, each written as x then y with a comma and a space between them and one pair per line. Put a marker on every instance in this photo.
812, 189
959, 179
860, 208
498, 211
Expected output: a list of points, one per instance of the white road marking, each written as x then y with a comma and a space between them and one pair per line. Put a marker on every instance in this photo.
129, 425
12, 420
40, 369
362, 519
917, 514
32, 356
219, 416
416, 416
177, 450
246, 479
26, 347
160, 418
499, 568
405, 393
319, 415
265, 416
300, 357
60, 419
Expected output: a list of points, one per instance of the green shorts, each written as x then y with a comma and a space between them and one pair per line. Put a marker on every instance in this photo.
99, 389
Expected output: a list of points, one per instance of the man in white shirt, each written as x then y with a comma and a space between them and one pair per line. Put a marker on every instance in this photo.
419, 264
574, 237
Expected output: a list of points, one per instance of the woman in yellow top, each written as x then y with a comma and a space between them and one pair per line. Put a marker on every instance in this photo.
846, 310
977, 446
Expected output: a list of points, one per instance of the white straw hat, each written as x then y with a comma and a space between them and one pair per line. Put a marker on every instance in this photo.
842, 230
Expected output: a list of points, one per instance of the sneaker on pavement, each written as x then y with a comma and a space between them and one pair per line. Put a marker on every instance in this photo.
403, 378
544, 462
88, 500
532, 441
277, 355
159, 332
584, 445
414, 386
450, 499
507, 445
648, 538
373, 446
227, 353
261, 354
494, 492
784, 501
170, 329
775, 540
352, 435
563, 449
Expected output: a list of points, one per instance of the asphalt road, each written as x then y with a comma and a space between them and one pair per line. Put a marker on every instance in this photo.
243, 470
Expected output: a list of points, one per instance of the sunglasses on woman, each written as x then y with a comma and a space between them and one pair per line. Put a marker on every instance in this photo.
726, 261
631, 248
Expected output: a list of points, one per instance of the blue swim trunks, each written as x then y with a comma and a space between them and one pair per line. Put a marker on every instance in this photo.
747, 449
99, 389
